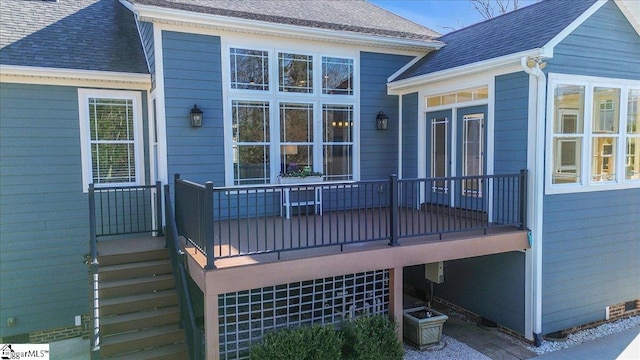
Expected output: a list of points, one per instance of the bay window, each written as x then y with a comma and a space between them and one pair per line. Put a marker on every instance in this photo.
594, 133
301, 117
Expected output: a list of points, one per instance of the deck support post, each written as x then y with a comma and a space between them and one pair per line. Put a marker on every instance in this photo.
211, 323
395, 298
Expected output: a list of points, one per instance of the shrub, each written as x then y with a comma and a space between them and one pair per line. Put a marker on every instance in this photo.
371, 337
306, 342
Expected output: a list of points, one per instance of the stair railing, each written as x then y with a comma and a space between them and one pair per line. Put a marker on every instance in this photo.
194, 334
118, 210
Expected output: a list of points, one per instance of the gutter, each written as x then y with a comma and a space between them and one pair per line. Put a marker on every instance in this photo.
397, 87
73, 77
533, 66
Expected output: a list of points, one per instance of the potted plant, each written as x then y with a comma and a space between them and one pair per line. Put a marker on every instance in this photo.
296, 175
423, 326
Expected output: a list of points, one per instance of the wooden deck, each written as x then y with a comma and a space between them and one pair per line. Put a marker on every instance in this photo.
254, 236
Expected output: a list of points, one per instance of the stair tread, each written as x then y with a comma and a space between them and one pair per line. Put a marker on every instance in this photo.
134, 265
168, 350
137, 297
133, 281
138, 335
130, 257
138, 315
130, 245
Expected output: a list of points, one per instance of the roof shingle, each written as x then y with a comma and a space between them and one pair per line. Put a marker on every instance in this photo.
98, 35
527, 28
357, 16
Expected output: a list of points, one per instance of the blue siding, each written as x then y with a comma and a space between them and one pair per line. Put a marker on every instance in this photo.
604, 45
410, 136
44, 224
590, 258
146, 35
192, 75
491, 286
510, 122
378, 148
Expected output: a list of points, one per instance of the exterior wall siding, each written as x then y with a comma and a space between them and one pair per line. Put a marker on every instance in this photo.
146, 35
378, 148
604, 45
490, 286
410, 135
590, 258
44, 230
510, 123
193, 75
591, 250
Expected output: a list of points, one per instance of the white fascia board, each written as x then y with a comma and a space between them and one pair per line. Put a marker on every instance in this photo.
403, 86
547, 49
175, 16
74, 77
404, 68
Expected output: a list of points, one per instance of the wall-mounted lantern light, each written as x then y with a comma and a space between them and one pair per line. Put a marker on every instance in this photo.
196, 117
381, 121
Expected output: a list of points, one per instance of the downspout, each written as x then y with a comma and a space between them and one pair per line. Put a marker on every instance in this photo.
533, 67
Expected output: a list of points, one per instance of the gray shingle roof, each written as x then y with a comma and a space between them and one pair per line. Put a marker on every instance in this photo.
527, 28
71, 34
356, 16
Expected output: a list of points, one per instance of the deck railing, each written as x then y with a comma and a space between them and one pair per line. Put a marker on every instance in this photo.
116, 211
224, 222
194, 334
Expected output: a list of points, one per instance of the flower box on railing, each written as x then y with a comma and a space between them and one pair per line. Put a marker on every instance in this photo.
299, 180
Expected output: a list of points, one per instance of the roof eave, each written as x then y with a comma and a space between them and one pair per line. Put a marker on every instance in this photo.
182, 17
400, 87
74, 77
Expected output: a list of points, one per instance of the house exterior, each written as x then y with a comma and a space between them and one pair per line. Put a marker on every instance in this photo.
549, 93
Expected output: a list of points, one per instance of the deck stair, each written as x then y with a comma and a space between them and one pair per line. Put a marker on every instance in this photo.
139, 313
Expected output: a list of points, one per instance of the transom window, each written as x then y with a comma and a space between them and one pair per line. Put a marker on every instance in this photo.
458, 97
590, 142
249, 69
111, 138
303, 118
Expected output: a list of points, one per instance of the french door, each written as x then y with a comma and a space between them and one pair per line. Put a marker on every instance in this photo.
457, 148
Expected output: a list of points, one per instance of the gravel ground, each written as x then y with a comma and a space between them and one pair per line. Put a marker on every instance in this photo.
578, 337
586, 335
453, 349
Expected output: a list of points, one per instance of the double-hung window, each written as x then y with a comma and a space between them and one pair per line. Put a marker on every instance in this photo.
290, 111
594, 134
111, 137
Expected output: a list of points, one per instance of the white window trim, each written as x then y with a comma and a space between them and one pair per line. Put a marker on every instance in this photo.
586, 184
85, 136
275, 97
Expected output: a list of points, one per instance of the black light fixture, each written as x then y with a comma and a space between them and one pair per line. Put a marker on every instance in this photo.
381, 121
196, 116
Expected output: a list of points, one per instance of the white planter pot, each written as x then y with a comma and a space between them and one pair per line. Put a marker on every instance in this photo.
300, 180
422, 331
